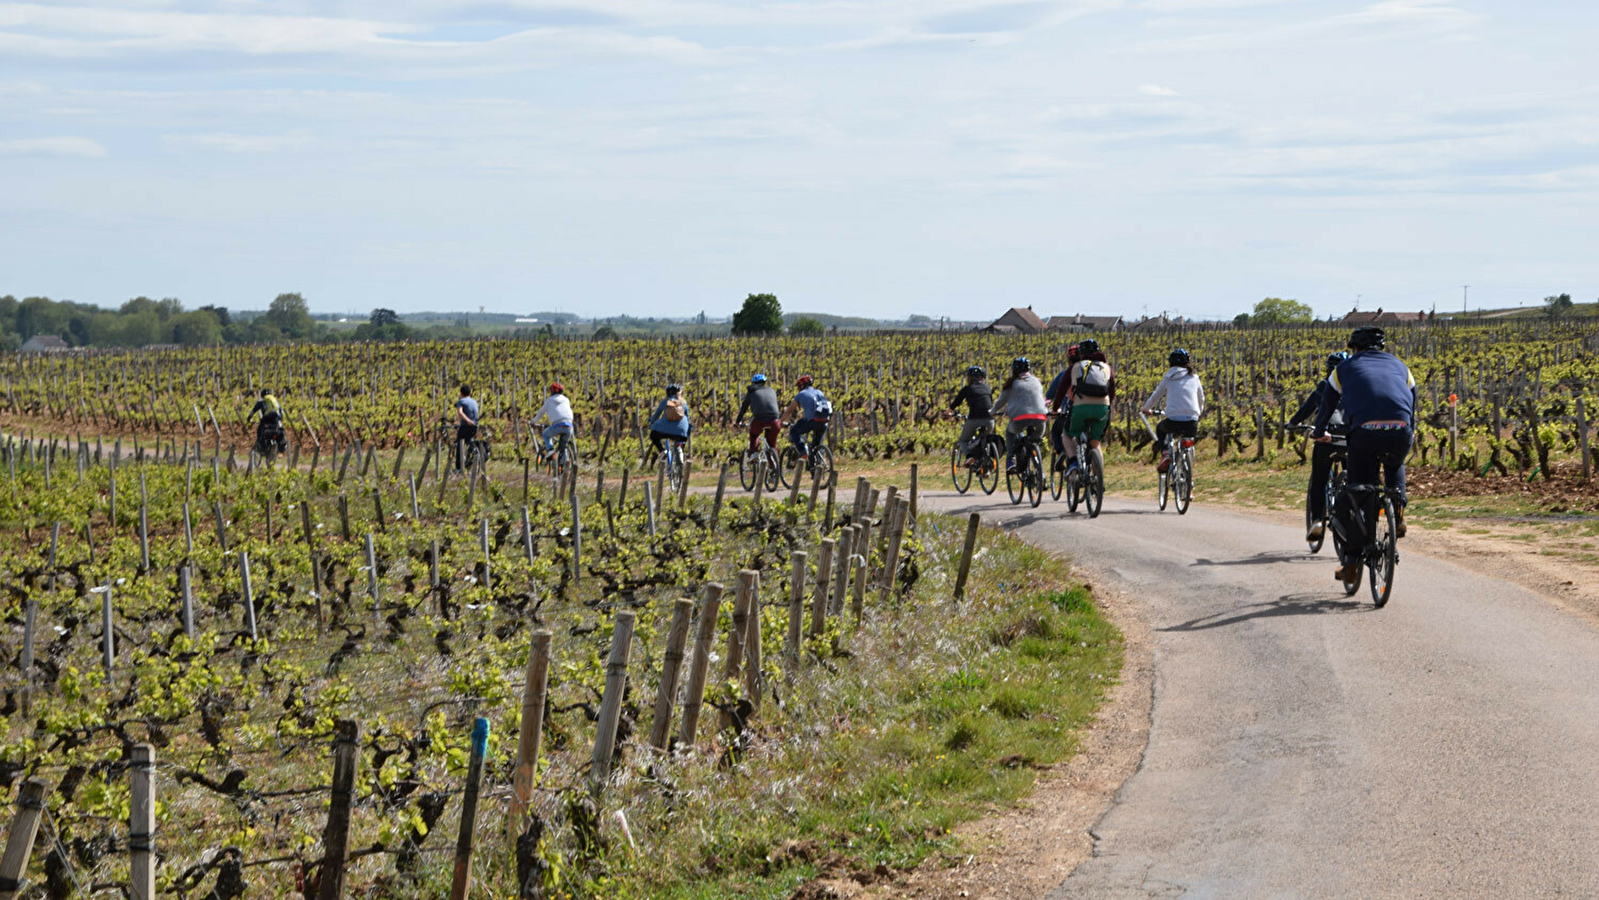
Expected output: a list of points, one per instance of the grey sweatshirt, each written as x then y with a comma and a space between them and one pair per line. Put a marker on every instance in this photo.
1025, 397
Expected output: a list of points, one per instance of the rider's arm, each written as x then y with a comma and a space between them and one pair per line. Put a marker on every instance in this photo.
1157, 396
659, 408
960, 397
793, 407
1201, 399
743, 407
998, 409
1311, 405
1329, 403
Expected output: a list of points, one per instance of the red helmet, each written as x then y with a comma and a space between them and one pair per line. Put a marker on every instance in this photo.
555, 388
803, 382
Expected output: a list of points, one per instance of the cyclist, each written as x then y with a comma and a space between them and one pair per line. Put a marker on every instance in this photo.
814, 410
1092, 388
670, 421
1022, 398
466, 416
557, 410
1061, 410
1321, 453
1180, 387
271, 425
979, 399
1378, 395
760, 401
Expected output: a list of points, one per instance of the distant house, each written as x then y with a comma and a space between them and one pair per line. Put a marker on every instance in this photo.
45, 343
1018, 320
1081, 322
1382, 317
1150, 324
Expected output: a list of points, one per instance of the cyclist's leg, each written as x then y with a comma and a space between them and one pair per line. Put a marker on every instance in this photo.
1013, 432
771, 427
818, 434
1100, 423
1361, 465
755, 432
657, 438
1057, 436
1320, 470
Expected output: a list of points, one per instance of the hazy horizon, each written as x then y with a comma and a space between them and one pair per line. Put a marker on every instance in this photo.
943, 157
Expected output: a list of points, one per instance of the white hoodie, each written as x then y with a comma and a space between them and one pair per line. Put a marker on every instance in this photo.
557, 409
1184, 395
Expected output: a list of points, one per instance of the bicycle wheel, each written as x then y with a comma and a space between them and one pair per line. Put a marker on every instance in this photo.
822, 463
1163, 487
1350, 587
1035, 477
774, 471
674, 468
1183, 483
959, 472
1383, 556
786, 461
1074, 488
746, 470
987, 466
1057, 476
1315, 545
1094, 484
1014, 485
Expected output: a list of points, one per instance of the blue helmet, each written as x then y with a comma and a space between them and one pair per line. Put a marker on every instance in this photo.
757, 378
1178, 357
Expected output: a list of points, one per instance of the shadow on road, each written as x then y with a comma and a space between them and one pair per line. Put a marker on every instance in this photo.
1263, 558
1306, 604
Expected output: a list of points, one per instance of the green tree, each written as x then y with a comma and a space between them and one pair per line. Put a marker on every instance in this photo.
1241, 320
291, 316
381, 317
200, 328
604, 333
1277, 311
807, 326
1557, 306
761, 314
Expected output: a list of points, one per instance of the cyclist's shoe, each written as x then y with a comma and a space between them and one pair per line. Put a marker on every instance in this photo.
1165, 462
1071, 466
1010, 468
1316, 532
1399, 523
1347, 572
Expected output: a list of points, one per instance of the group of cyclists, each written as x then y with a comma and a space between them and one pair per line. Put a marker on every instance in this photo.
1364, 407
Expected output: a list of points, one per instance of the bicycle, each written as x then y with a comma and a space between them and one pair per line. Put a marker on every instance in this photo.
268, 444
1177, 482
1380, 555
1085, 485
1028, 478
818, 462
983, 461
562, 460
1335, 484
671, 458
476, 451
750, 464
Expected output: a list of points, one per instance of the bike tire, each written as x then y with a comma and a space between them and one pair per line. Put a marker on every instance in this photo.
988, 468
746, 471
774, 472
1315, 545
1163, 487
1350, 587
1183, 485
1383, 559
1035, 478
959, 472
1094, 485
1014, 486
1057, 478
822, 463
786, 462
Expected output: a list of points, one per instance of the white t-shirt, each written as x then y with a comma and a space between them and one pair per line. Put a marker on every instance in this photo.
557, 409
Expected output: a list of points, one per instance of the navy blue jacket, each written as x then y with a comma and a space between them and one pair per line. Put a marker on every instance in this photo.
1373, 386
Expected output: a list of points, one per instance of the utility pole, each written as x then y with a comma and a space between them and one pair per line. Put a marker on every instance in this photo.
1357, 301
1463, 291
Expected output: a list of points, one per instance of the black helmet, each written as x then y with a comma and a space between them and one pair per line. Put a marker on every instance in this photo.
1334, 359
1088, 345
1178, 357
975, 372
1020, 364
1369, 337
673, 389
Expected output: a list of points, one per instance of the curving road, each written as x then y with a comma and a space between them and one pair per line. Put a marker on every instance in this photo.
1307, 745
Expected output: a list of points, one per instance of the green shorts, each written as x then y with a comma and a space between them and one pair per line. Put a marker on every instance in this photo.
1091, 420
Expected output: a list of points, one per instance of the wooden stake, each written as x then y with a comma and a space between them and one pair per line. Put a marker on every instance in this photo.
462, 880
754, 675
716, 507
796, 606
336, 836
20, 840
534, 690
700, 663
611, 705
141, 823
671, 667
249, 593
966, 555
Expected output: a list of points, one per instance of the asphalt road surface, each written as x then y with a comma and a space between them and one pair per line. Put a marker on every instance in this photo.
1307, 745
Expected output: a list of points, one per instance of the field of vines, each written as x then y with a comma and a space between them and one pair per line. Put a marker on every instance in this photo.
233, 654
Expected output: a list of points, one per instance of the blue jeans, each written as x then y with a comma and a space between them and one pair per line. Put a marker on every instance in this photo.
798, 431
552, 430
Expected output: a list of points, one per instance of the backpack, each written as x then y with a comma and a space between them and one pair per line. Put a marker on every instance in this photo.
824, 408
1095, 380
673, 411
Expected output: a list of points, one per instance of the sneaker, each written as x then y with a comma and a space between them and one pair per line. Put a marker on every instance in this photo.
1347, 573
1010, 468
1071, 466
1164, 464
1399, 525
1317, 531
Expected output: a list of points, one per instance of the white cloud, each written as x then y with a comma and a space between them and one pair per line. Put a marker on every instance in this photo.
82, 148
1157, 90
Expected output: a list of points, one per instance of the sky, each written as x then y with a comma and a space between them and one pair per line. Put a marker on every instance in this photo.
863, 157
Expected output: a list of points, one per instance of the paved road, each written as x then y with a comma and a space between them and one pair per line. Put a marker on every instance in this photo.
1305, 745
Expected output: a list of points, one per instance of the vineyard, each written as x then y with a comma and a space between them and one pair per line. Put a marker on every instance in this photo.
227, 679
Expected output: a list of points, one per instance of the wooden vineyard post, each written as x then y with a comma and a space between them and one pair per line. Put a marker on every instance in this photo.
377, 507
577, 532
649, 507
858, 592
462, 879
832, 489
416, 511
1454, 429
186, 600
344, 517
532, 731
527, 535
733, 659
816, 490
611, 704
19, 843
336, 836
796, 607
660, 487
141, 823
824, 578
1582, 437
794, 487
108, 642
760, 478
249, 593
483, 543
222, 531
716, 507
621, 494
897, 516
372, 575
526, 465
700, 663
846, 556
966, 556
863, 542
754, 674
1221, 435
1260, 434
671, 668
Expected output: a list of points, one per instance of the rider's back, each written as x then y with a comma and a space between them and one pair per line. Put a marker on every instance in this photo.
1374, 386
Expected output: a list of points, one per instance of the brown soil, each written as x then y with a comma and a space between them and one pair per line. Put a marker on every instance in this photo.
1566, 492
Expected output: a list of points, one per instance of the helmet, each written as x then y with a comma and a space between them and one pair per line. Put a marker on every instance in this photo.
1020, 364
673, 389
975, 372
1089, 345
1072, 353
1178, 357
803, 382
757, 378
555, 388
265, 392
1369, 337
1333, 359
